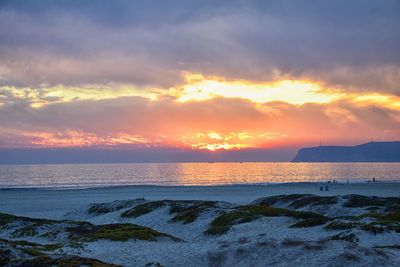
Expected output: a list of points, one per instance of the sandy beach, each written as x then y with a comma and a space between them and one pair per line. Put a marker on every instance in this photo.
53, 203
241, 225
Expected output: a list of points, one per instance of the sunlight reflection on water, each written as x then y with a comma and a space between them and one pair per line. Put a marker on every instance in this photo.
87, 175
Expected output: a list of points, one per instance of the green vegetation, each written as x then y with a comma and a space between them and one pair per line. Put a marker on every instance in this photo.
77, 261
393, 216
115, 232
42, 261
358, 201
51, 234
389, 221
31, 245
298, 200
83, 231
143, 209
33, 254
384, 222
312, 200
370, 215
346, 237
32, 228
71, 261
6, 219
311, 222
29, 230
392, 247
30, 225
389, 217
15, 243
270, 201
336, 225
9, 218
373, 228
103, 208
189, 211
243, 214
185, 211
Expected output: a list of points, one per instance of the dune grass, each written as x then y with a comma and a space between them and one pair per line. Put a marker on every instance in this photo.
298, 200
66, 261
337, 225
115, 232
143, 209
359, 201
311, 222
248, 213
312, 200
349, 237
188, 211
104, 208
185, 211
30, 254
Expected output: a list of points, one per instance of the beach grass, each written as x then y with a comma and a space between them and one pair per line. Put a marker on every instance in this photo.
248, 213
115, 232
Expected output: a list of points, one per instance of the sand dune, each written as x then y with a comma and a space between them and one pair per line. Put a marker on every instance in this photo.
287, 224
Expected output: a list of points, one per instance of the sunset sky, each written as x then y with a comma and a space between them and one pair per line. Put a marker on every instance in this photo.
198, 75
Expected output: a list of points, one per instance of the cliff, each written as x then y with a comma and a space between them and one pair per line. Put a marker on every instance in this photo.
369, 152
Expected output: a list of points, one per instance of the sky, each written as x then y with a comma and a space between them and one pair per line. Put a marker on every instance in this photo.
198, 76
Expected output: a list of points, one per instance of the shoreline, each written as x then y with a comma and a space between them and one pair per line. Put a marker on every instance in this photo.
109, 186
54, 203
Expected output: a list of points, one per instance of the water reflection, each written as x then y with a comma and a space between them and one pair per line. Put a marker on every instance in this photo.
191, 173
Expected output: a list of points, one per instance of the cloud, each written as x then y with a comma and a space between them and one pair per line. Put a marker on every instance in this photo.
352, 44
169, 123
72, 71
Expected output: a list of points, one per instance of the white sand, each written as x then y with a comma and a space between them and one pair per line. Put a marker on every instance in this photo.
55, 203
256, 243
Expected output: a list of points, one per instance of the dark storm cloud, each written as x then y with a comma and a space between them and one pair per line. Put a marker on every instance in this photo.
353, 44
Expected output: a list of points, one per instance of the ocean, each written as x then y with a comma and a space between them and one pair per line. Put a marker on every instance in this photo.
190, 174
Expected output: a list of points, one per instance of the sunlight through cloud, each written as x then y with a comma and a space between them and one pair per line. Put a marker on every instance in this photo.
200, 88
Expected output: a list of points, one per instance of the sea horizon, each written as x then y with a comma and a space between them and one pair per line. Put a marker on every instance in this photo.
192, 174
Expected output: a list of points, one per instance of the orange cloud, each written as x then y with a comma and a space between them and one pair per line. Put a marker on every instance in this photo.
240, 114
71, 138
233, 140
200, 88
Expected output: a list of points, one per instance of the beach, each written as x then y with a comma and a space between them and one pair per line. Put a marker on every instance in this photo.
55, 202
353, 224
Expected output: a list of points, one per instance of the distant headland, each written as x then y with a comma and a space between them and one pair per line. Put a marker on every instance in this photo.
369, 152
